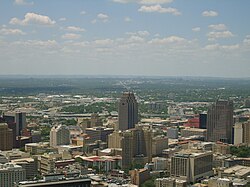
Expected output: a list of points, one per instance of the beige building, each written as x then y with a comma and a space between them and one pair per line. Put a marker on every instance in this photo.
238, 134
246, 132
159, 143
10, 174
47, 162
192, 165
136, 146
59, 135
139, 176
6, 137
114, 139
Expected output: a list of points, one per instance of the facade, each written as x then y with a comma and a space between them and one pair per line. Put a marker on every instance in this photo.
114, 139
98, 133
238, 134
203, 121
6, 137
191, 165
246, 132
127, 111
59, 135
10, 174
30, 166
159, 143
19, 118
187, 132
136, 146
220, 122
139, 176
172, 133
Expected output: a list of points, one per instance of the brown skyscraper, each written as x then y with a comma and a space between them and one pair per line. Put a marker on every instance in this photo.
220, 121
127, 111
6, 137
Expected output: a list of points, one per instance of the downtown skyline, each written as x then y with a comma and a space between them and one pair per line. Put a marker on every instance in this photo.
125, 37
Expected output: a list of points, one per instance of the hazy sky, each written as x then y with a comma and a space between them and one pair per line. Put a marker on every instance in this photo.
125, 37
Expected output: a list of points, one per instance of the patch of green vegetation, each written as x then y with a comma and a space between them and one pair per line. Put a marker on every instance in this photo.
240, 151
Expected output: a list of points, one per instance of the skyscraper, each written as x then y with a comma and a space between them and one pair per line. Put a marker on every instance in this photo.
6, 137
19, 118
136, 146
220, 121
127, 111
59, 135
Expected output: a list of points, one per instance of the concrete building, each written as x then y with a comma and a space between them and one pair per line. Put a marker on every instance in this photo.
192, 165
237, 171
203, 121
246, 132
15, 154
127, 111
139, 176
238, 134
114, 139
30, 166
98, 133
10, 174
6, 137
187, 132
17, 118
47, 162
220, 121
165, 182
136, 146
159, 143
172, 133
160, 163
59, 135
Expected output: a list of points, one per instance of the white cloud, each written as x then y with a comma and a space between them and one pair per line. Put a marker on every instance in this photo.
196, 29
104, 42
155, 1
218, 27
139, 33
221, 47
37, 43
215, 35
23, 2
247, 40
158, 8
6, 31
75, 29
101, 17
32, 18
127, 19
71, 36
144, 1
62, 19
82, 12
210, 13
167, 40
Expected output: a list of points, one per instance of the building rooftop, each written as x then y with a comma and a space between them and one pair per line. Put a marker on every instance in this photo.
238, 170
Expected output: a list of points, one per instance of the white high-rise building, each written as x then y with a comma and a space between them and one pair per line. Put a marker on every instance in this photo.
59, 135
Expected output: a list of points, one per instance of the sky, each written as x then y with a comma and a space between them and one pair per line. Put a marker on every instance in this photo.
125, 37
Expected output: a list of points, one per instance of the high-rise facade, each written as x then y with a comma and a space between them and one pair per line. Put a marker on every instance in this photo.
59, 135
136, 146
6, 137
220, 121
19, 118
127, 111
246, 133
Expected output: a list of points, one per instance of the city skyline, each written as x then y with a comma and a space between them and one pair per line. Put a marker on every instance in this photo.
154, 37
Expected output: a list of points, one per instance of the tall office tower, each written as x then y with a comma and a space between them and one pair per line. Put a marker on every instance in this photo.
59, 135
220, 121
136, 146
114, 139
246, 132
192, 165
19, 118
127, 111
203, 121
6, 137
